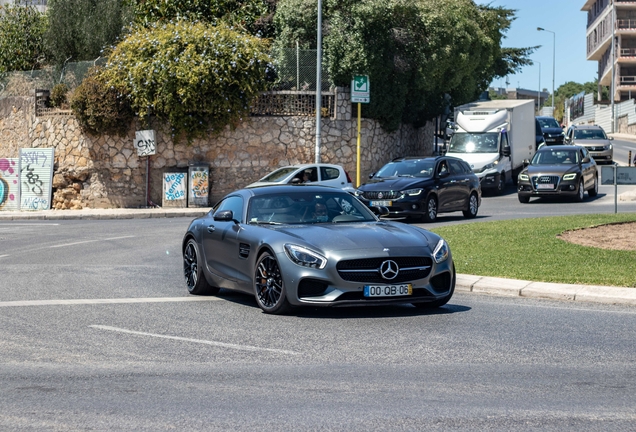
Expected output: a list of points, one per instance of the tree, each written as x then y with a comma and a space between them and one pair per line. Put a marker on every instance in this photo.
22, 30
416, 52
570, 89
195, 77
81, 29
251, 16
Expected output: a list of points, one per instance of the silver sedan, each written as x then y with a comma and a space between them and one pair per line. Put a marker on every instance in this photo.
295, 245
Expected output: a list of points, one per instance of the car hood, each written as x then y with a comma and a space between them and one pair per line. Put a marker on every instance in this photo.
550, 169
552, 131
393, 183
367, 236
591, 142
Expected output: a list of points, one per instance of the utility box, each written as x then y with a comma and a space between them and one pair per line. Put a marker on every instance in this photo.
175, 185
198, 185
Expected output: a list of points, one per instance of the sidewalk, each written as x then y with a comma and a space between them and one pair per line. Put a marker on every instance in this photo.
465, 283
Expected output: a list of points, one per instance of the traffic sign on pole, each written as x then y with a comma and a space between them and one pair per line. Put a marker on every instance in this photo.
360, 89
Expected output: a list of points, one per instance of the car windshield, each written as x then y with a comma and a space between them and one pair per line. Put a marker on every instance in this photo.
589, 134
279, 174
555, 157
407, 168
548, 123
307, 208
474, 142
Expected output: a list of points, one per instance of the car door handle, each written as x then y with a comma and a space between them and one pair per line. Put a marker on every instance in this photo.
211, 228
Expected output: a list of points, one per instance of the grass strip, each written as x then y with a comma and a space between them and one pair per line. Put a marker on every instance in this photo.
529, 249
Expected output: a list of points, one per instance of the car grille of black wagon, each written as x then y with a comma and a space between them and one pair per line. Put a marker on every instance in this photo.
367, 270
373, 195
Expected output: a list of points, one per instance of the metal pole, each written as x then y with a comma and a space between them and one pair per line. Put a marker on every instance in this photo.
553, 61
613, 85
318, 81
358, 145
539, 93
297, 66
615, 192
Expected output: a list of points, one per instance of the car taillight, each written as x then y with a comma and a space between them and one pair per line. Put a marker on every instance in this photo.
348, 178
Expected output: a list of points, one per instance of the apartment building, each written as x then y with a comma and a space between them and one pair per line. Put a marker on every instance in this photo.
617, 17
39, 4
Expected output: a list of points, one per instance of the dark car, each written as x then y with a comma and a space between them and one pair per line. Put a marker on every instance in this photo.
565, 170
423, 187
539, 139
594, 139
551, 129
315, 246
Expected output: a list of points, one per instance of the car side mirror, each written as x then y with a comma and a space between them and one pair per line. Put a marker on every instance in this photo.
295, 180
444, 174
371, 175
586, 160
526, 162
610, 138
506, 151
380, 210
225, 216
566, 139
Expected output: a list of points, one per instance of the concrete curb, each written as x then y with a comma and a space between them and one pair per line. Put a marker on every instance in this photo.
545, 290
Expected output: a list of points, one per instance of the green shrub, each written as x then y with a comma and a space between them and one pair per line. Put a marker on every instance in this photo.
194, 77
100, 108
58, 94
22, 30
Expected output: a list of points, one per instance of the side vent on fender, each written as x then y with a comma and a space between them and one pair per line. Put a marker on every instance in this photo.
244, 250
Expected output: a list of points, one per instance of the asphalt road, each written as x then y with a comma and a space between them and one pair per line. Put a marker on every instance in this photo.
97, 332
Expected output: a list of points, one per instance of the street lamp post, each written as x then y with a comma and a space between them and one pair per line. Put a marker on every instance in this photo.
539, 92
553, 60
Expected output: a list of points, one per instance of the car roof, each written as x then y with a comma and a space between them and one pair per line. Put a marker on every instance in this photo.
587, 127
283, 189
559, 147
545, 117
429, 158
309, 165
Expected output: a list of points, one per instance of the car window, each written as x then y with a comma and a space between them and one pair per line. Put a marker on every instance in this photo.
455, 166
537, 127
442, 168
329, 173
548, 123
234, 203
279, 174
589, 134
407, 168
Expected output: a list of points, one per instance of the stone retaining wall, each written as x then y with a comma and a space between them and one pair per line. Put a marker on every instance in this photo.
105, 171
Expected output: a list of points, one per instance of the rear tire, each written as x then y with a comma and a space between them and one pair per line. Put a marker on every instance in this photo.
430, 209
473, 207
193, 271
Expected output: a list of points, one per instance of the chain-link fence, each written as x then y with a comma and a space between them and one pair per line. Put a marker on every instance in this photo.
24, 83
296, 70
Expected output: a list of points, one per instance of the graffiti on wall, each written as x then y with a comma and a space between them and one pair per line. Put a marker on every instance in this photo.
199, 185
174, 186
9, 184
36, 176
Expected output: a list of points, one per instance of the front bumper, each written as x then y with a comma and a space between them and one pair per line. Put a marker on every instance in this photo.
561, 188
326, 287
490, 180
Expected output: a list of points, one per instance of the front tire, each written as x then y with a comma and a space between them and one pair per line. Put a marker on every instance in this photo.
430, 209
473, 207
580, 193
193, 271
501, 186
269, 287
594, 191
523, 199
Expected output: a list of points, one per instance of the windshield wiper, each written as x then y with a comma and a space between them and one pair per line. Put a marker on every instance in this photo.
262, 222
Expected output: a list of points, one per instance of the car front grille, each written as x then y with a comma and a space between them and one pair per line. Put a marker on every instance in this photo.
368, 270
545, 179
602, 148
386, 195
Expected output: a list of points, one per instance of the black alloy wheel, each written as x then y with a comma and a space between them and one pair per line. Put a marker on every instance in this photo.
430, 209
501, 186
473, 206
269, 286
194, 277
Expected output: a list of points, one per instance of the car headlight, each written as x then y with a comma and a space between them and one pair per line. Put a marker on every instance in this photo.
305, 257
523, 177
358, 193
570, 176
412, 192
489, 166
609, 147
441, 252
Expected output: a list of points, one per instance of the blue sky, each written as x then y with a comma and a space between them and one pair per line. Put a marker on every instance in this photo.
568, 22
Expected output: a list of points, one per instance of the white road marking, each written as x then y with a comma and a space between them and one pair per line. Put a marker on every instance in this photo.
89, 241
2, 256
206, 342
29, 224
72, 302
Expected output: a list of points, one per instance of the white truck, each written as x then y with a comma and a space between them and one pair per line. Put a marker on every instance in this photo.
494, 137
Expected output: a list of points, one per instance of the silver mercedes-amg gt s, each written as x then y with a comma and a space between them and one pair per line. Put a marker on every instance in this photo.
295, 245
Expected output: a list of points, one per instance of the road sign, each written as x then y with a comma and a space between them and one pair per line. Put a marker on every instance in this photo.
360, 89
